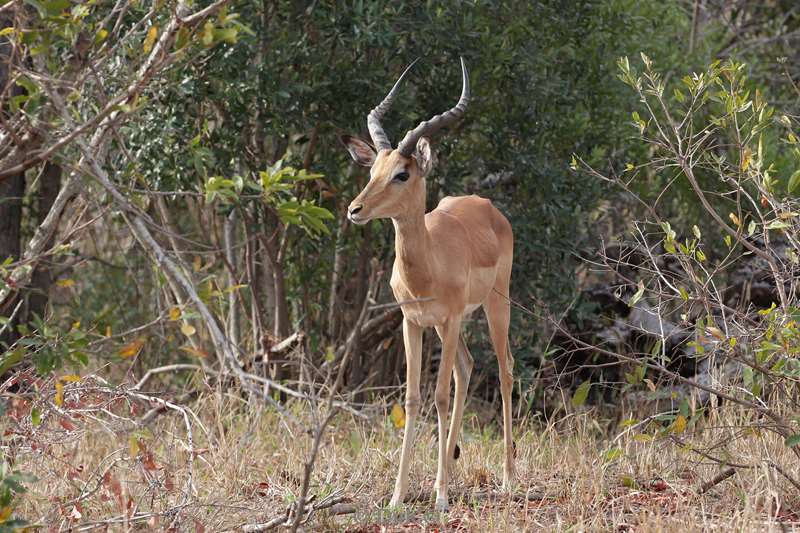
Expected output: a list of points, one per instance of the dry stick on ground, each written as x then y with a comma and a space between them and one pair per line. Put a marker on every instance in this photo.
352, 340
335, 505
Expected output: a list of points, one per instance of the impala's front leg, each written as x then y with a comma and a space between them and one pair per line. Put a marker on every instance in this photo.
412, 337
449, 335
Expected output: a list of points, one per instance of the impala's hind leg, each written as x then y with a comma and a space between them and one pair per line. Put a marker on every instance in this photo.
462, 372
498, 314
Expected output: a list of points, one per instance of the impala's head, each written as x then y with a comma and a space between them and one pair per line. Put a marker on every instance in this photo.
397, 175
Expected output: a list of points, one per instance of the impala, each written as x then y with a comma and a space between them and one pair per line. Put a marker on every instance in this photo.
448, 263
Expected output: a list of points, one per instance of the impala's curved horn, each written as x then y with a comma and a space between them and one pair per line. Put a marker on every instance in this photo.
429, 127
379, 137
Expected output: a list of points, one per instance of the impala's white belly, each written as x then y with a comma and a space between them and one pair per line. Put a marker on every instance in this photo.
426, 314
469, 309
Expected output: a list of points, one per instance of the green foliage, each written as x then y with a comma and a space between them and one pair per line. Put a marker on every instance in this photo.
581, 394
49, 346
11, 486
275, 187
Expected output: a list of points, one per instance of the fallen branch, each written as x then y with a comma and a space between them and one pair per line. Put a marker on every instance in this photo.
719, 478
335, 505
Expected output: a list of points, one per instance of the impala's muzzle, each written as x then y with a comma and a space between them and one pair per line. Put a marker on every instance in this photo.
354, 214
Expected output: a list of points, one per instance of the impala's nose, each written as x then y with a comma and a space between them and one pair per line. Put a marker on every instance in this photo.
353, 214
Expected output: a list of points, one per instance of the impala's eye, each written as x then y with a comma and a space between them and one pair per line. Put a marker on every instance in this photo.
401, 176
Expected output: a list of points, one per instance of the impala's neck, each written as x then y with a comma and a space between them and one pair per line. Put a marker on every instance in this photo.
413, 250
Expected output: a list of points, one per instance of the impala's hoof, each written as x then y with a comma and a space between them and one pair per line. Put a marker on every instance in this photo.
441, 505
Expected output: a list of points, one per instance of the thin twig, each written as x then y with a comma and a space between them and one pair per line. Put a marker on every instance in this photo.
392, 305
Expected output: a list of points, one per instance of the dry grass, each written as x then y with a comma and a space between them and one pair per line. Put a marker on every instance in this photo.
249, 464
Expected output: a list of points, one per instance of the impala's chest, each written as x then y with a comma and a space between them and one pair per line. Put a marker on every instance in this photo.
425, 311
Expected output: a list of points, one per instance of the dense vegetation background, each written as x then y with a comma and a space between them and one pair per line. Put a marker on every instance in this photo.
172, 188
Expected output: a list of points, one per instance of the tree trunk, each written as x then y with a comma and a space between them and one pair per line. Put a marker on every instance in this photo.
11, 192
334, 304
49, 185
12, 189
273, 270
357, 374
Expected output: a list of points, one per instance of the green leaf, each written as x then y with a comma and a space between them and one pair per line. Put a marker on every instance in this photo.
581, 393
684, 294
55, 7
792, 440
227, 35
182, 39
612, 454
11, 359
778, 224
747, 376
207, 37
794, 181
638, 295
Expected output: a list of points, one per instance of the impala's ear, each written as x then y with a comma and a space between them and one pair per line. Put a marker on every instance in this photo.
361, 152
423, 156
